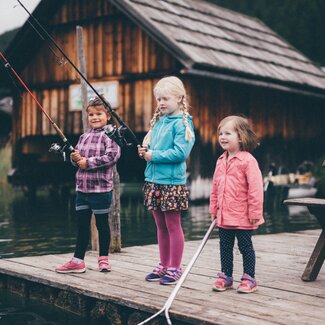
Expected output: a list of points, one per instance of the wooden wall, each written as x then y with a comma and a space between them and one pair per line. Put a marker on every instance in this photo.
273, 113
290, 127
116, 49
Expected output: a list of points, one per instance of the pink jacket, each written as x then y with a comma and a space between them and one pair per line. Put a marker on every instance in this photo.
237, 192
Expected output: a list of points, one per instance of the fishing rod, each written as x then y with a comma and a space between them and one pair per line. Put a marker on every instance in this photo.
54, 147
168, 303
118, 133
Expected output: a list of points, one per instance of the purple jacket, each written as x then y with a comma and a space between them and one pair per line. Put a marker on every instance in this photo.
102, 154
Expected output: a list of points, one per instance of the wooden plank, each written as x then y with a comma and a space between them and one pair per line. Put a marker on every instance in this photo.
23, 115
46, 105
99, 50
140, 57
54, 108
139, 105
90, 48
118, 48
108, 49
276, 302
132, 283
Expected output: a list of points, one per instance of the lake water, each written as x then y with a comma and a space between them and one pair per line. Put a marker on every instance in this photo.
48, 226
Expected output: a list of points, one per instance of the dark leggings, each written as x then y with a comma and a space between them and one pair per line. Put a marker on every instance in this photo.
104, 234
245, 245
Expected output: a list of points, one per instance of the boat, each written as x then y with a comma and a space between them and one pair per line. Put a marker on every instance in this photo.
290, 185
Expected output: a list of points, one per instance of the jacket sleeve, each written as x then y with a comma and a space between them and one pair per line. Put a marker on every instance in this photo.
213, 208
180, 150
76, 147
109, 158
255, 190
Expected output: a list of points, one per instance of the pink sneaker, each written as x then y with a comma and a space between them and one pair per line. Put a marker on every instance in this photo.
103, 264
247, 285
222, 283
71, 267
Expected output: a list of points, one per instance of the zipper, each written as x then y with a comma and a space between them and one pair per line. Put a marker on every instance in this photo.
153, 166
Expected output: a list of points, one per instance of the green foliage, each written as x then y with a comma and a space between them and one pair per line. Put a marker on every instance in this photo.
5, 158
300, 22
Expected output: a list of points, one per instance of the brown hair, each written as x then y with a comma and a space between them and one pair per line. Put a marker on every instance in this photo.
93, 102
247, 137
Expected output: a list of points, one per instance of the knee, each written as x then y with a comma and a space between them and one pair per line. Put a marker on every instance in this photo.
102, 223
246, 249
102, 226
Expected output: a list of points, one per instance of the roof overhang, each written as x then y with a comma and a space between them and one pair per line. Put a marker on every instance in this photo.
258, 82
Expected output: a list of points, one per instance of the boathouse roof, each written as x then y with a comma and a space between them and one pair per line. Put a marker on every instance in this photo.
213, 41
208, 40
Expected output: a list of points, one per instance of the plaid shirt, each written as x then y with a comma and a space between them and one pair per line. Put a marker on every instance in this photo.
102, 154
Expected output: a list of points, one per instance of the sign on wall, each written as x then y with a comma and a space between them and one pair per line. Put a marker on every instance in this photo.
107, 88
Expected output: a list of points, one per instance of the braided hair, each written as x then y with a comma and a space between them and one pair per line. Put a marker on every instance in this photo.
175, 87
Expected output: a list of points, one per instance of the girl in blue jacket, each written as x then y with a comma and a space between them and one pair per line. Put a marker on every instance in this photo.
166, 148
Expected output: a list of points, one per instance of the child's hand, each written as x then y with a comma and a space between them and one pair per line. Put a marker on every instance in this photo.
82, 163
213, 216
75, 156
253, 221
148, 155
142, 150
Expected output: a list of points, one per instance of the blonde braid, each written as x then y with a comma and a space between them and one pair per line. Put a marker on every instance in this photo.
188, 131
147, 139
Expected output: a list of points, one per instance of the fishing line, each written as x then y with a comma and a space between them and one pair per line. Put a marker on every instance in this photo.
55, 147
120, 132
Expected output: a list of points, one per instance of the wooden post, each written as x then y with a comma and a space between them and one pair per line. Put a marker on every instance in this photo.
82, 66
114, 213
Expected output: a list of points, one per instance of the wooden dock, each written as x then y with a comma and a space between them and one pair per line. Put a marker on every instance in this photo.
123, 297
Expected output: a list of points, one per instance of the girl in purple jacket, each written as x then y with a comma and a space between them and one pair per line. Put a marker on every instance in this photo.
236, 201
95, 156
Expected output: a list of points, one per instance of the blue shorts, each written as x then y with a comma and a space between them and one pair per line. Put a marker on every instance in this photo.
99, 203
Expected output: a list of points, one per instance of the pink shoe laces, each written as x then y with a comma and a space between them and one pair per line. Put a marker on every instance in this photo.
160, 270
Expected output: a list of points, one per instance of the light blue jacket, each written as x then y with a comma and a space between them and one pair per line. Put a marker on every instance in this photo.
169, 151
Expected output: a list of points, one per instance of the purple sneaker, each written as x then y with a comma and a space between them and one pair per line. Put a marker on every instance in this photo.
172, 276
157, 273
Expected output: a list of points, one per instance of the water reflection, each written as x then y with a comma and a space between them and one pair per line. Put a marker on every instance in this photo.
33, 229
48, 225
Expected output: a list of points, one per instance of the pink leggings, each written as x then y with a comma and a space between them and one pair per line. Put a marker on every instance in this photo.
170, 237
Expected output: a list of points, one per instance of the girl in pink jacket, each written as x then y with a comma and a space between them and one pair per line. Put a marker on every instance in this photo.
236, 201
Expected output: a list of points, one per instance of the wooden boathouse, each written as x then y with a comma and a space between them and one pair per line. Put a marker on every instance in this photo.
229, 62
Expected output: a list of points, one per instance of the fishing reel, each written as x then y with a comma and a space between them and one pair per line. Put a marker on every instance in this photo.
58, 150
117, 134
